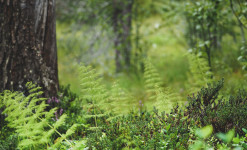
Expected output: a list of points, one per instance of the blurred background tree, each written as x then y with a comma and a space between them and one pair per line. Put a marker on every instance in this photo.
116, 37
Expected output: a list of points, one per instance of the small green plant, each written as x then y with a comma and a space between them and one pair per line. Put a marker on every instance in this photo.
27, 115
200, 72
9, 142
225, 141
120, 99
95, 97
161, 98
144, 130
152, 80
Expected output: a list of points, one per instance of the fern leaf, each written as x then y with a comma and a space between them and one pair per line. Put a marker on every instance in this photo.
120, 102
162, 99
71, 130
152, 80
28, 116
60, 121
200, 72
91, 87
80, 145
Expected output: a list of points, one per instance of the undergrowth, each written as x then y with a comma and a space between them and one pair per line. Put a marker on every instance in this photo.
111, 119
34, 126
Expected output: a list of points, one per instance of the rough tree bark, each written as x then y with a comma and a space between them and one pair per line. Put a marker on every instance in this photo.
28, 49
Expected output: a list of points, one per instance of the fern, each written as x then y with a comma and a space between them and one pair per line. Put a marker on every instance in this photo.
91, 87
152, 80
200, 72
161, 98
94, 93
120, 99
165, 99
27, 115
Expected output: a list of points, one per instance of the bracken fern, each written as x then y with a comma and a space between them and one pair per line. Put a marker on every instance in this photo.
94, 93
159, 97
152, 80
200, 72
120, 99
27, 115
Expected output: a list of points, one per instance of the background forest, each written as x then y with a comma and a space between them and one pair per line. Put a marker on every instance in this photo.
139, 74
189, 43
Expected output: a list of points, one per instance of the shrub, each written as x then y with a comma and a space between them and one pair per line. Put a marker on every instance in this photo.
224, 115
144, 130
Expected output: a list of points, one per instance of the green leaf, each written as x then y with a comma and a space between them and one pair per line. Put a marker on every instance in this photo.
60, 121
71, 130
236, 140
227, 138
204, 132
245, 131
240, 58
244, 145
168, 127
80, 145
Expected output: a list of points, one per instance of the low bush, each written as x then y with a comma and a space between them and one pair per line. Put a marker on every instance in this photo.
143, 130
224, 114
33, 122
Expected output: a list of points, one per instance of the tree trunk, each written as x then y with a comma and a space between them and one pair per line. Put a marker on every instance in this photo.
28, 49
122, 18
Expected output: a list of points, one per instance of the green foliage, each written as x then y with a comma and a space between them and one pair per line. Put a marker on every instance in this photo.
116, 100
200, 72
95, 96
213, 33
224, 115
165, 99
74, 11
205, 98
9, 143
204, 132
206, 23
231, 113
152, 80
229, 139
136, 130
242, 58
71, 104
27, 115
239, 9
121, 100
146, 130
161, 98
91, 87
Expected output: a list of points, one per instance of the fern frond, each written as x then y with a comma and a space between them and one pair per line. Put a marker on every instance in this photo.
120, 99
71, 130
80, 145
91, 87
162, 98
152, 80
166, 99
94, 93
60, 121
200, 72
28, 116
